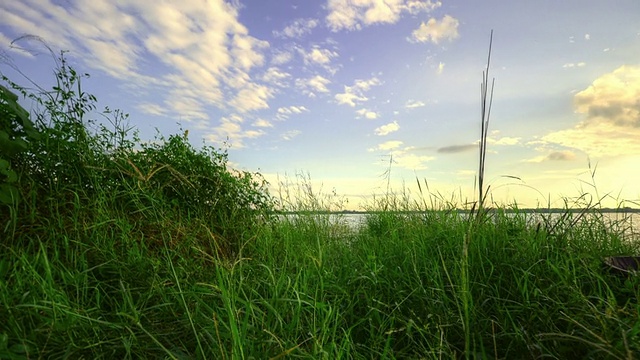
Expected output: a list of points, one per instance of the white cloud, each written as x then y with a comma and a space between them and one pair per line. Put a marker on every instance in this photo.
262, 123
611, 110
152, 109
298, 28
187, 106
230, 130
252, 97
349, 98
404, 157
318, 56
570, 65
408, 159
4, 41
208, 53
504, 141
387, 129
411, 161
355, 94
276, 77
412, 104
312, 85
353, 15
285, 112
5, 44
587, 37
435, 31
365, 85
367, 114
390, 145
289, 135
280, 57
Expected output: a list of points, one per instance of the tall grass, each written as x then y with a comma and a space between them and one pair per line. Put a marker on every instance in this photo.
124, 251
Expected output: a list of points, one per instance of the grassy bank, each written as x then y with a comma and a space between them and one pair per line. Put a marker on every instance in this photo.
117, 248
402, 287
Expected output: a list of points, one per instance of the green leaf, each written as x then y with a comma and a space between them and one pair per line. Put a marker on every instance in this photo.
21, 349
11, 176
10, 147
8, 95
11, 103
8, 194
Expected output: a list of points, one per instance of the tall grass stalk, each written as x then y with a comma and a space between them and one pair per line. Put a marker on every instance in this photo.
486, 100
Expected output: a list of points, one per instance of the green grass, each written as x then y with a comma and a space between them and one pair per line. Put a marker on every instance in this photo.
127, 252
398, 288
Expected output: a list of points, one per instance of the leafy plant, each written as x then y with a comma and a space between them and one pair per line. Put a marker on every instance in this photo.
16, 131
78, 159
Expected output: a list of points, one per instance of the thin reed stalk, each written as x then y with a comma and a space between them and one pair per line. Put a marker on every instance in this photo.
486, 100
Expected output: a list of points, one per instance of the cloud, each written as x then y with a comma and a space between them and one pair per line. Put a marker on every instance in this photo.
276, 77
281, 57
262, 123
453, 149
387, 129
353, 15
561, 156
412, 104
389, 145
4, 41
313, 85
187, 107
355, 94
349, 98
403, 157
506, 140
208, 54
230, 129
411, 161
298, 28
570, 65
289, 135
152, 109
252, 97
613, 98
611, 110
367, 114
503, 141
318, 56
587, 37
554, 156
435, 31
285, 112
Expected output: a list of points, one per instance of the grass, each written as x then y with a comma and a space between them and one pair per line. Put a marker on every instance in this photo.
393, 290
117, 249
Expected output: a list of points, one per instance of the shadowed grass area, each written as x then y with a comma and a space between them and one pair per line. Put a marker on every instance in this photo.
115, 248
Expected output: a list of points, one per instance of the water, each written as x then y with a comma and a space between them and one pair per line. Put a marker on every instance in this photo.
628, 223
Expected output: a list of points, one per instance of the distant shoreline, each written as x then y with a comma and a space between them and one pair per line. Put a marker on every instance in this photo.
463, 211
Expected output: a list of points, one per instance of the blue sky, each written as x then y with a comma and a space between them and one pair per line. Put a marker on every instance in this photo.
336, 88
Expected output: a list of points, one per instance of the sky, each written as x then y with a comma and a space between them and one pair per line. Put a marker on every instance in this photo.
362, 97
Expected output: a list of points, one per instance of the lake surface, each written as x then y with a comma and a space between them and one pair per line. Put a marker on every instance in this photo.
629, 223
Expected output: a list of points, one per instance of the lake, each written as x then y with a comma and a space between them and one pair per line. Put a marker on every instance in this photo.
629, 221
